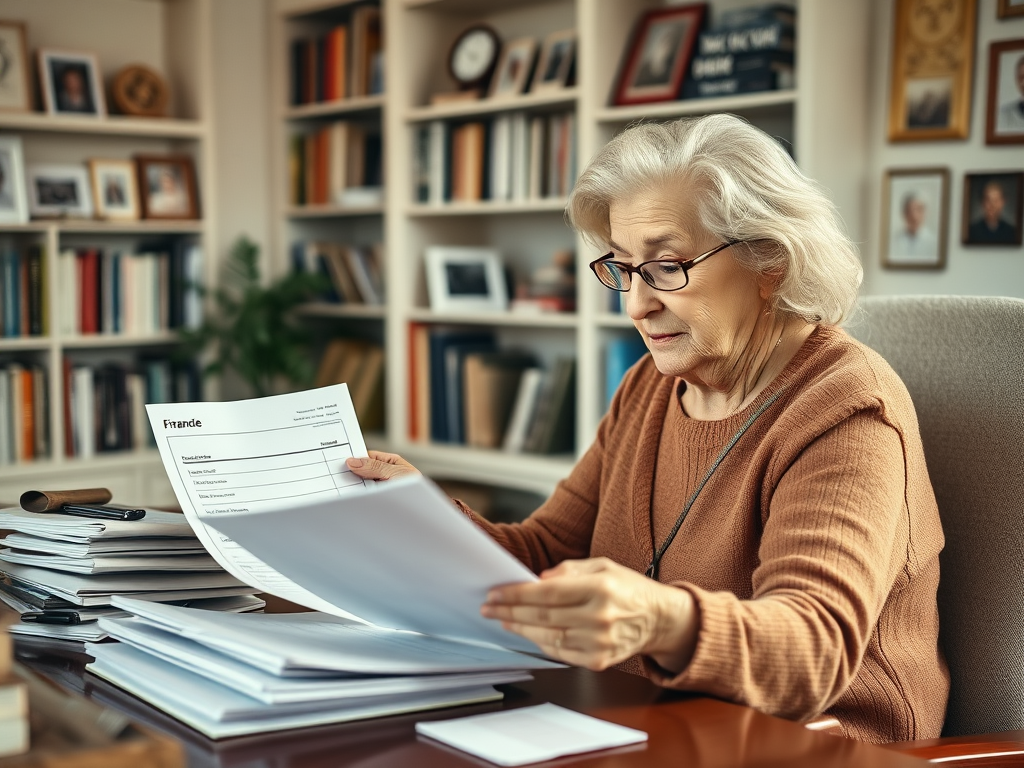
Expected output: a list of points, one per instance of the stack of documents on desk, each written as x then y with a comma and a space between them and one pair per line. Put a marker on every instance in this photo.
64, 568
228, 675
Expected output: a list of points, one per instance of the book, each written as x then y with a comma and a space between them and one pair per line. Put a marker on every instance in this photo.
552, 428
491, 382
530, 384
454, 361
419, 382
620, 354
440, 341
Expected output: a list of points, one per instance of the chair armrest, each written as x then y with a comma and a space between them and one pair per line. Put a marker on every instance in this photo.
991, 750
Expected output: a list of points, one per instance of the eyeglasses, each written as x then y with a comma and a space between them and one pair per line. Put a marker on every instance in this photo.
660, 274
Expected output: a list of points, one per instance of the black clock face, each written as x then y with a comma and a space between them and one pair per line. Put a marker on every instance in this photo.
474, 56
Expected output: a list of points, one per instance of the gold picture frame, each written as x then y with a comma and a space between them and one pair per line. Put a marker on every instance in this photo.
932, 69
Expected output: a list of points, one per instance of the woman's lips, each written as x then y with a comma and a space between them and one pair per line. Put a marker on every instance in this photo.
662, 337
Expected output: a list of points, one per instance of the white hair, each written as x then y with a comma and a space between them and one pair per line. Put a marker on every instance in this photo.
747, 188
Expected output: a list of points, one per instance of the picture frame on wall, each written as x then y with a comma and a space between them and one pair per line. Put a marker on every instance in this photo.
993, 208
13, 202
1004, 123
557, 62
114, 190
15, 89
915, 218
59, 191
514, 68
70, 83
932, 68
465, 279
655, 61
1010, 8
167, 187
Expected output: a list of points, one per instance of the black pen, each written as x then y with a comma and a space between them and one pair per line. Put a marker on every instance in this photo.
52, 617
103, 512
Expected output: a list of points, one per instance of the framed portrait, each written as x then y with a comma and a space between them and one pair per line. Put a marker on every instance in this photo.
59, 191
13, 204
71, 84
915, 218
993, 208
557, 62
932, 63
513, 71
167, 187
465, 279
1004, 122
1010, 8
15, 91
658, 54
114, 192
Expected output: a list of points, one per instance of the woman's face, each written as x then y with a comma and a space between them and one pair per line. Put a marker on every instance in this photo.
702, 332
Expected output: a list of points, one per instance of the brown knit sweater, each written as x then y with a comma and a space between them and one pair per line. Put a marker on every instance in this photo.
812, 552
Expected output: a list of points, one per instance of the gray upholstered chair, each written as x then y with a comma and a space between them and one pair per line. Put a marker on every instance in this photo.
962, 359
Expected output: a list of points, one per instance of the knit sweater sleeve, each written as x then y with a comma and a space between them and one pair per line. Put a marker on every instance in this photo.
834, 543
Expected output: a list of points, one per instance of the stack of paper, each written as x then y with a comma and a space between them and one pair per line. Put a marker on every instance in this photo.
61, 571
265, 486
227, 675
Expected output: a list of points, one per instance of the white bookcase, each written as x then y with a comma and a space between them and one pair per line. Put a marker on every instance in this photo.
172, 37
822, 118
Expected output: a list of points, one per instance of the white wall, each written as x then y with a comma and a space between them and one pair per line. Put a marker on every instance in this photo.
984, 271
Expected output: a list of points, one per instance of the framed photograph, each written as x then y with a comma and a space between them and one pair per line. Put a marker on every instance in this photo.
13, 204
114, 190
167, 187
915, 218
932, 63
557, 62
1010, 8
1005, 111
15, 91
59, 191
658, 54
465, 279
71, 83
993, 208
514, 67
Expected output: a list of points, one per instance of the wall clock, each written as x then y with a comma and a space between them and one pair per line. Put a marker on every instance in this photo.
473, 56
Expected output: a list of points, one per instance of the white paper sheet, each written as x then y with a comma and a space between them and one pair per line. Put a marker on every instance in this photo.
530, 734
220, 712
301, 643
271, 689
400, 555
84, 529
114, 564
258, 455
123, 547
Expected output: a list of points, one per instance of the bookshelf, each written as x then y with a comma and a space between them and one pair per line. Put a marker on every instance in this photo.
822, 123
168, 36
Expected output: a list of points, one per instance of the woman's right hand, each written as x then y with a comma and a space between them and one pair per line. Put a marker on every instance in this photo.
381, 466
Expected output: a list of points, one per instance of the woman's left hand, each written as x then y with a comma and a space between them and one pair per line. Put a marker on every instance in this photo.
595, 613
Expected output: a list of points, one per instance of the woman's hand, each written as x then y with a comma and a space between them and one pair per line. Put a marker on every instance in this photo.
596, 613
381, 466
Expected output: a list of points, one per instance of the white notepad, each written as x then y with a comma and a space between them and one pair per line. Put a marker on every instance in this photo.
530, 734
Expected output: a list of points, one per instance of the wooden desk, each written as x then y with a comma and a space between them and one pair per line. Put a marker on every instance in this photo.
684, 730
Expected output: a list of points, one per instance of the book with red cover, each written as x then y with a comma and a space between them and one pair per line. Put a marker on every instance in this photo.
89, 283
69, 435
28, 413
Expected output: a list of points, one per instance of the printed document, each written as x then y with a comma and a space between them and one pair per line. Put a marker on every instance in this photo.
255, 456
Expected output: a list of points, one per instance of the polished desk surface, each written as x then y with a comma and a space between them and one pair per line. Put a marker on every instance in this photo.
684, 730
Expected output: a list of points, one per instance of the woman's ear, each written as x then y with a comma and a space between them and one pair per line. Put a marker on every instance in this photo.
768, 284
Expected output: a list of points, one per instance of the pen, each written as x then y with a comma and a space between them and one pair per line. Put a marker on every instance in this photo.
103, 512
52, 617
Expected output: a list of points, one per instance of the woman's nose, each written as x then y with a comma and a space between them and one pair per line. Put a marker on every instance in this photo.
641, 299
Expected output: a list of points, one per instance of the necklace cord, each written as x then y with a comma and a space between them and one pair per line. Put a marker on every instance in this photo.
652, 569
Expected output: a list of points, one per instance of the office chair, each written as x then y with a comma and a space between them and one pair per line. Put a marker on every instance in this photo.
962, 359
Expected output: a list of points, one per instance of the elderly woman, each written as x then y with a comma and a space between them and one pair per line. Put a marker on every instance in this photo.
754, 519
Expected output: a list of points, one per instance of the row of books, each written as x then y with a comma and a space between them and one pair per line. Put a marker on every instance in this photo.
360, 365
356, 273
748, 50
514, 156
104, 405
464, 390
22, 292
113, 291
346, 62
24, 413
339, 164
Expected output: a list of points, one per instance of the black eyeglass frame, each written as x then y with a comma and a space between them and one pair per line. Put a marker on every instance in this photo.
629, 269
